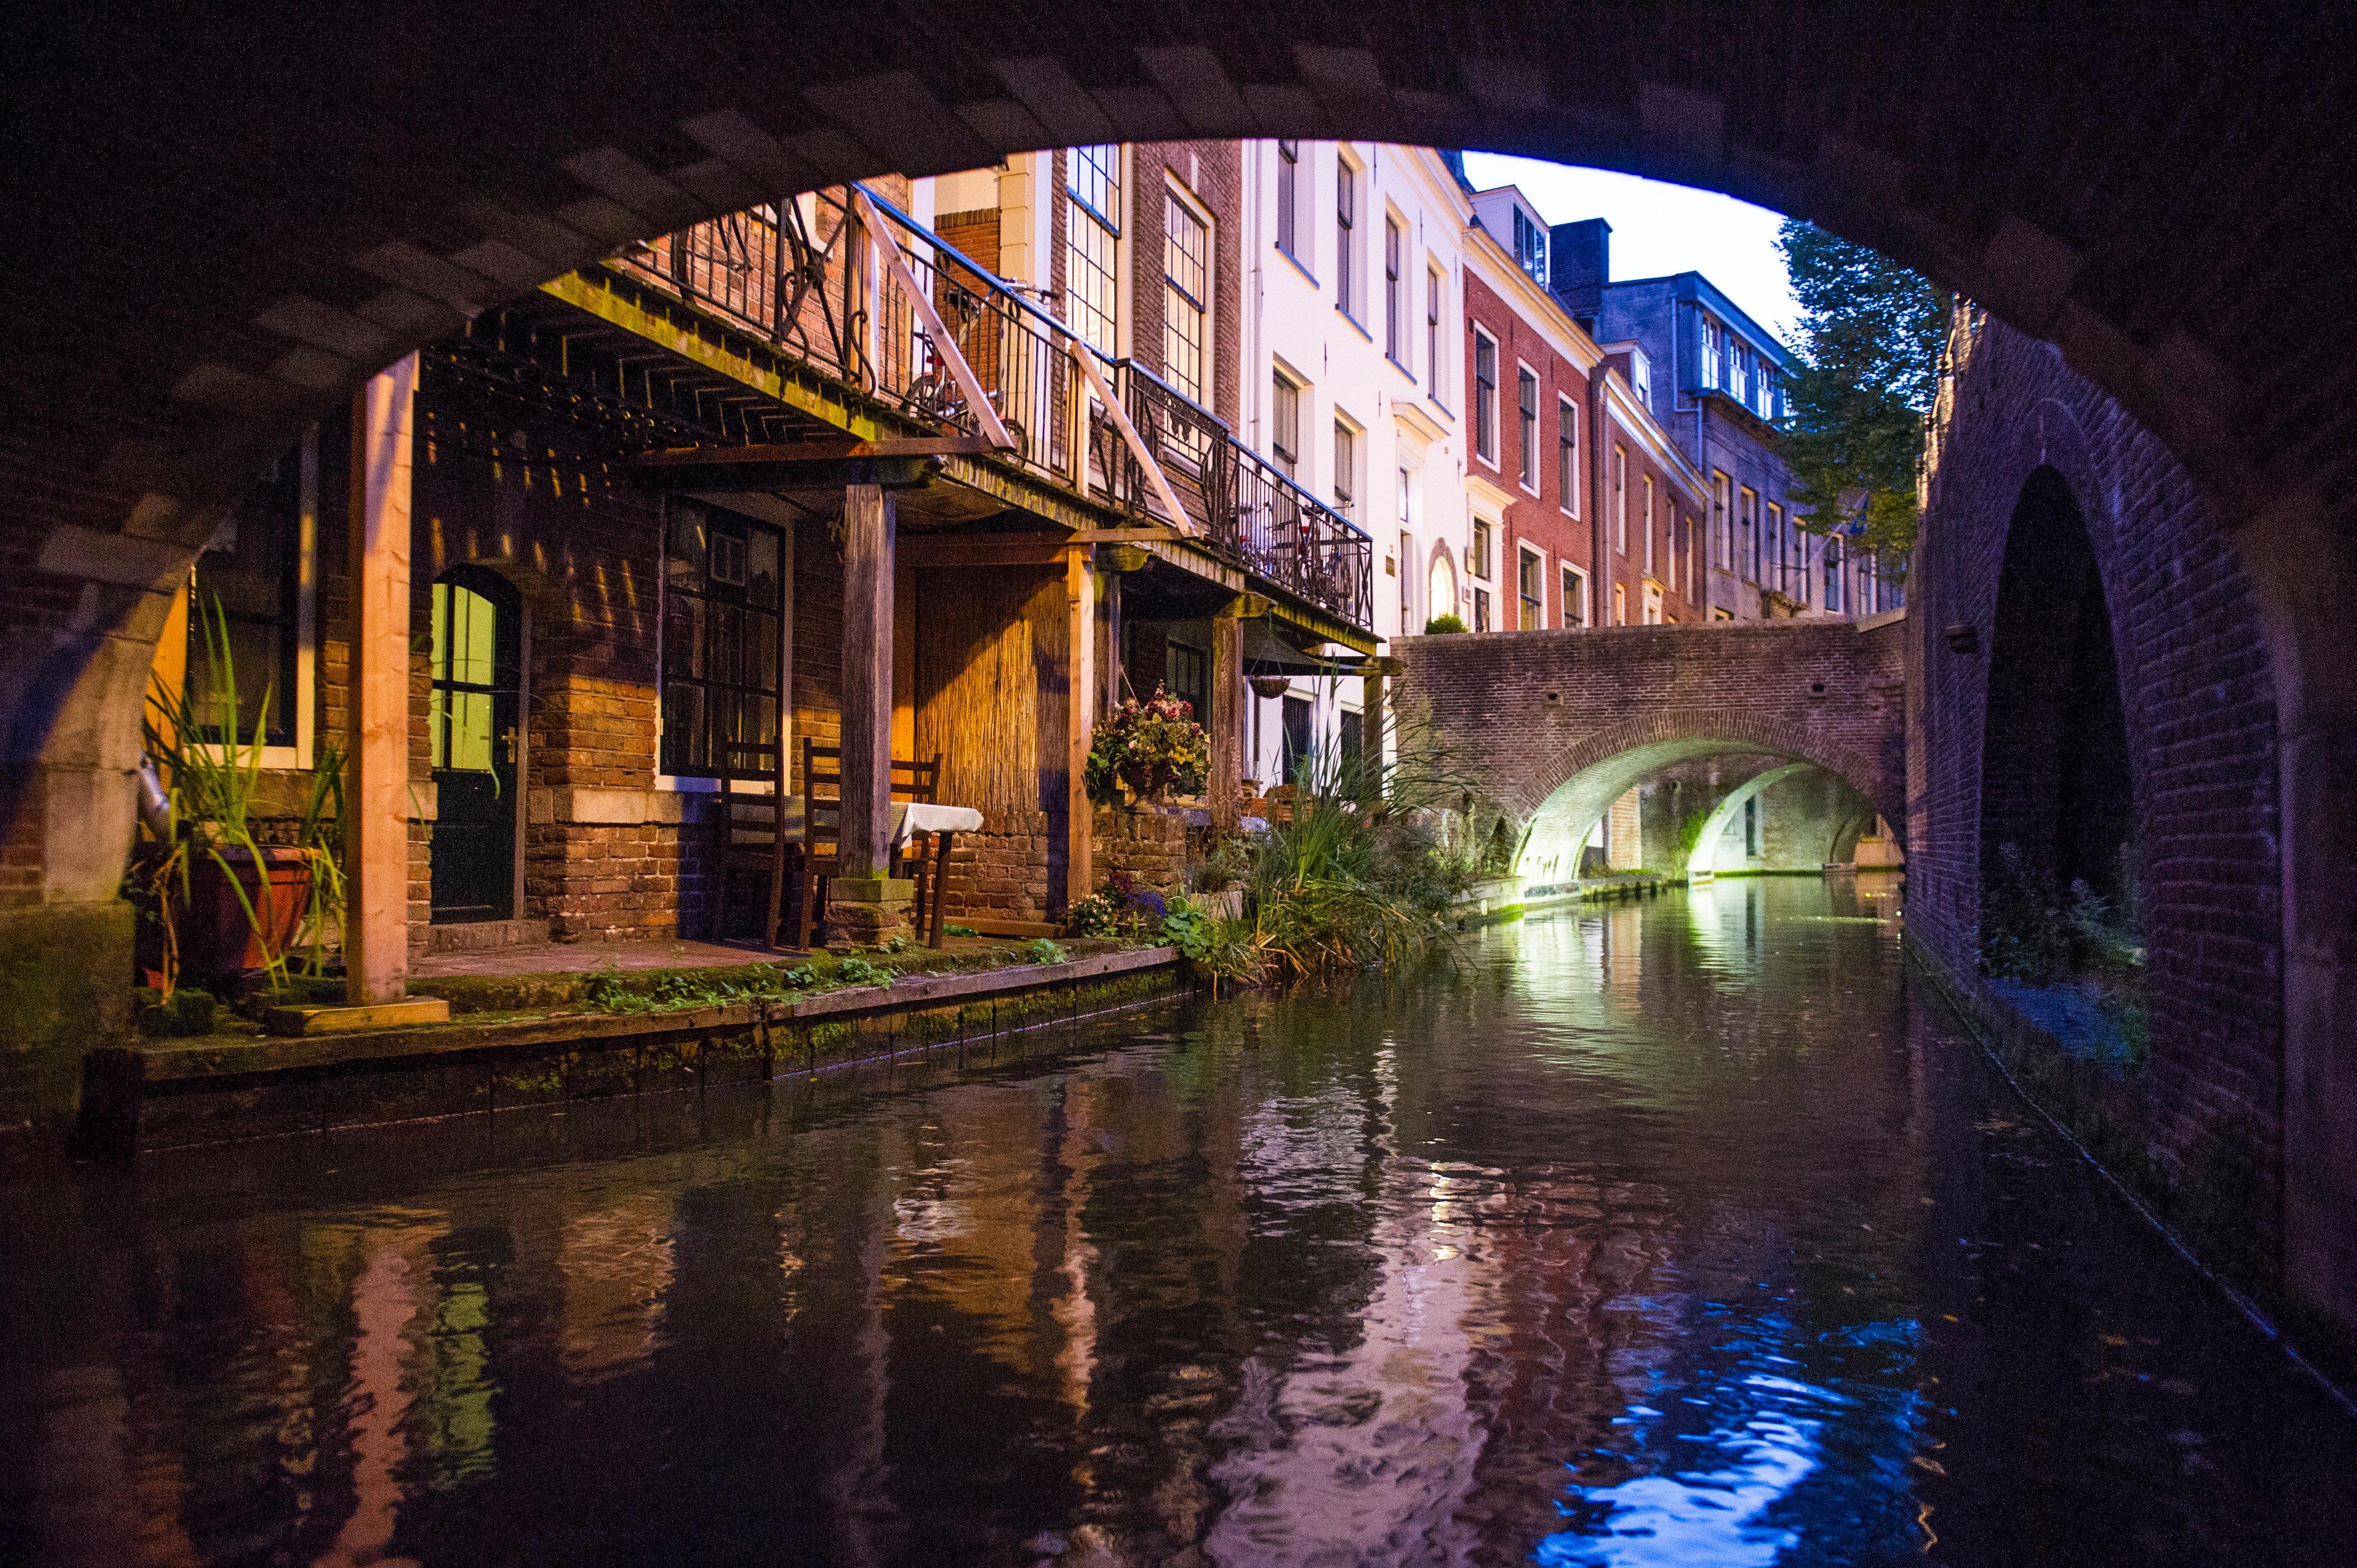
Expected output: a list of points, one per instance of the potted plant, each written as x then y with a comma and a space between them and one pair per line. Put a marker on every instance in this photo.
1145, 751
227, 904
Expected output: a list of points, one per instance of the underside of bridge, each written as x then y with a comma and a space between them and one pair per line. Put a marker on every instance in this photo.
224, 232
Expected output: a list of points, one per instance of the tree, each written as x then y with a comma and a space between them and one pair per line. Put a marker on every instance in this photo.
1871, 333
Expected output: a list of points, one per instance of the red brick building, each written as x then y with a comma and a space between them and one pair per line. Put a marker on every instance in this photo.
1582, 509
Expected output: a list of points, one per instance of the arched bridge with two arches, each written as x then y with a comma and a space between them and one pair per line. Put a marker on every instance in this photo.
1551, 728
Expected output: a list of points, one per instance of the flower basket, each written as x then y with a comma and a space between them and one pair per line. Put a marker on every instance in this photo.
1143, 752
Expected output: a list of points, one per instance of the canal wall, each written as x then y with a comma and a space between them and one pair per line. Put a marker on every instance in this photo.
169, 1095
2090, 681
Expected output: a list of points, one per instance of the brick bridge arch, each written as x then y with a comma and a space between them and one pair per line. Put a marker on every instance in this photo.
1552, 726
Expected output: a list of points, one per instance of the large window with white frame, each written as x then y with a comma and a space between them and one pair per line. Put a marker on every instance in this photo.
1620, 498
1091, 238
1710, 350
1485, 397
1722, 520
1530, 590
1288, 198
1526, 426
1394, 292
1435, 289
1567, 455
1346, 467
1747, 521
1574, 597
1346, 238
1285, 423
1648, 525
251, 588
1185, 294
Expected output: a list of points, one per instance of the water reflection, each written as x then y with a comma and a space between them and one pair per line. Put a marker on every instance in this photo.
1674, 1232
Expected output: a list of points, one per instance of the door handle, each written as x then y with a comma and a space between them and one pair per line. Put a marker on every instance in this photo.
509, 741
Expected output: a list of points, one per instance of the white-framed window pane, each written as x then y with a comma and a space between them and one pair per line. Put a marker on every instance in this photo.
1186, 295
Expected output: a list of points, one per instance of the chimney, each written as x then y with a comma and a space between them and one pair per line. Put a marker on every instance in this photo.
1580, 261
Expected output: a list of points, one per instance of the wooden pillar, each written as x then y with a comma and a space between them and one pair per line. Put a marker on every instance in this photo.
1079, 697
1227, 717
376, 746
868, 551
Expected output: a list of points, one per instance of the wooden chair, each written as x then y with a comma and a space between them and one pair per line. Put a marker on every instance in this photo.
748, 843
819, 857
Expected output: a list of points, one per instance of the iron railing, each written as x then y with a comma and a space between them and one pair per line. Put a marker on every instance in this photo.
796, 274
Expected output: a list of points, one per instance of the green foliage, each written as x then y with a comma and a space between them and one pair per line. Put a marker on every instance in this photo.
1124, 906
954, 929
1871, 334
2025, 927
1153, 748
1228, 863
1441, 625
1359, 876
1690, 831
1040, 949
857, 971
183, 1013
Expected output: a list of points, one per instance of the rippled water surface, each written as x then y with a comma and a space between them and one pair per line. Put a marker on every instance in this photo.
1687, 1232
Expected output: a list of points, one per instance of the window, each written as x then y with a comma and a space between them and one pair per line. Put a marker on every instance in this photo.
1526, 421
254, 574
1288, 198
1739, 378
1832, 576
1575, 597
1709, 353
1485, 397
1186, 674
1567, 455
1692, 597
1648, 525
1652, 604
1346, 223
1346, 468
1620, 604
1350, 735
1722, 522
1185, 294
1747, 517
1480, 565
1531, 246
1406, 559
1777, 568
1620, 498
1530, 590
1284, 424
1395, 295
1093, 180
1640, 376
1481, 610
1433, 286
724, 595
1298, 740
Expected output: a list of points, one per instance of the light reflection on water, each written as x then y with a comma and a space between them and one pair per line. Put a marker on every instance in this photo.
1672, 1233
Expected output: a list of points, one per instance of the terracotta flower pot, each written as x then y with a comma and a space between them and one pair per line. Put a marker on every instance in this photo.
216, 939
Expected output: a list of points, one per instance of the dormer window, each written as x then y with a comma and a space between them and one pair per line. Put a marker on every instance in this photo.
1709, 354
1531, 246
1640, 376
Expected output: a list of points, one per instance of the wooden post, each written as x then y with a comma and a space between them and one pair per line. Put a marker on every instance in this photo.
376, 746
1079, 697
1227, 717
1113, 640
867, 828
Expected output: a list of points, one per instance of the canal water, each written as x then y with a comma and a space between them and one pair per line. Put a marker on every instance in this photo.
1688, 1231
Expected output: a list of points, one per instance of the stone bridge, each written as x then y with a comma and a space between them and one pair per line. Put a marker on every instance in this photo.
1552, 727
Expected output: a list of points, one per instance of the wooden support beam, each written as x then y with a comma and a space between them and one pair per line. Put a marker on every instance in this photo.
1079, 697
977, 397
1227, 726
376, 746
1086, 359
834, 449
868, 570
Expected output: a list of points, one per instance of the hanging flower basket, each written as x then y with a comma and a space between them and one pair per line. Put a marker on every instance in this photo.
1146, 751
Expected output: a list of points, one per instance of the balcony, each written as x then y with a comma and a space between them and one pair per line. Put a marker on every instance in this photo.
806, 277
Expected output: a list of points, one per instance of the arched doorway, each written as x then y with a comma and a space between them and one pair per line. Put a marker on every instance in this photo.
476, 745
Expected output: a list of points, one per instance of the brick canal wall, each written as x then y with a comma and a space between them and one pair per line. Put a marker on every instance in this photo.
2197, 692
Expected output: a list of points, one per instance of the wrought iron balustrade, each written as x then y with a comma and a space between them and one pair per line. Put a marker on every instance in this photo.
795, 274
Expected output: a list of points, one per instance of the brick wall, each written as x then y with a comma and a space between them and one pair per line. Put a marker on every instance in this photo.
2197, 691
